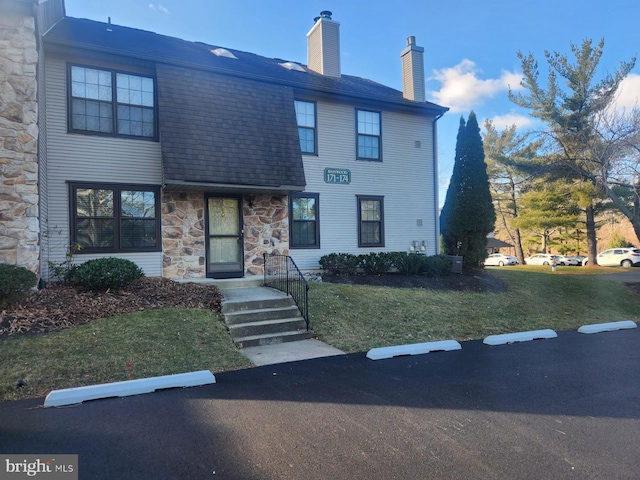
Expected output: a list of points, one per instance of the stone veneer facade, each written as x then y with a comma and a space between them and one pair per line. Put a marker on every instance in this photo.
19, 226
266, 230
183, 242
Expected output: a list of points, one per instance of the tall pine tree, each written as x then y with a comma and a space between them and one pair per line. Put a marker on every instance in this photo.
594, 143
448, 229
468, 215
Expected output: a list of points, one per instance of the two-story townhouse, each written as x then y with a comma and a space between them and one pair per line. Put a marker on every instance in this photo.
194, 160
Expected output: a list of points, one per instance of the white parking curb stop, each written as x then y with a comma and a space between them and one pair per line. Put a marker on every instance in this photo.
412, 349
519, 337
607, 327
72, 396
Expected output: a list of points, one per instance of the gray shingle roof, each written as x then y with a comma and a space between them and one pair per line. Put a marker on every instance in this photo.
227, 130
109, 38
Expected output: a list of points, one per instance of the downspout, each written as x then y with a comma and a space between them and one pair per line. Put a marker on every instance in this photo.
434, 131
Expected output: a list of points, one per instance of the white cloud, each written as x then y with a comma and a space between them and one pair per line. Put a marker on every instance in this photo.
500, 122
462, 89
159, 7
629, 92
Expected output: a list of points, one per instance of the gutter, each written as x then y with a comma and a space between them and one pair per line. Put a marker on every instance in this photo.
434, 131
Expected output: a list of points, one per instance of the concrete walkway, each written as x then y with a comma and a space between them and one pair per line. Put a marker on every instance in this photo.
628, 275
289, 352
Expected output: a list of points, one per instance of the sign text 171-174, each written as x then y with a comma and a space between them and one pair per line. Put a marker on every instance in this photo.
337, 175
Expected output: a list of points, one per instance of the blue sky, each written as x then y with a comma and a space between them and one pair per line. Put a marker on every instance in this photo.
470, 46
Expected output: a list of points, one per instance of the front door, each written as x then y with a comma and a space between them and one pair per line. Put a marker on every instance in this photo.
225, 254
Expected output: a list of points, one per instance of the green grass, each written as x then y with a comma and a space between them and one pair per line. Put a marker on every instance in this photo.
357, 318
349, 317
136, 345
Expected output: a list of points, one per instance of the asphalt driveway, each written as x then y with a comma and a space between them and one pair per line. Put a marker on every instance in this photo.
567, 407
626, 275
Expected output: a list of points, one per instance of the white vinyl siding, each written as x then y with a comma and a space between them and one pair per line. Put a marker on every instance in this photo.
87, 158
405, 178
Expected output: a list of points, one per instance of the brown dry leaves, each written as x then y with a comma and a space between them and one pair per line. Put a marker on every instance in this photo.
61, 305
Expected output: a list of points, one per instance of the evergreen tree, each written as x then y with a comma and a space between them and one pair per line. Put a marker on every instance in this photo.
448, 230
592, 141
547, 210
468, 215
510, 158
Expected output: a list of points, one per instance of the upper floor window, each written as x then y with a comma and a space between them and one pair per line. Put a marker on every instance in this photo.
305, 223
370, 221
112, 103
369, 135
115, 218
306, 117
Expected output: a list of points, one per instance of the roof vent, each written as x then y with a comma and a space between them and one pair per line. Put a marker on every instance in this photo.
222, 52
292, 66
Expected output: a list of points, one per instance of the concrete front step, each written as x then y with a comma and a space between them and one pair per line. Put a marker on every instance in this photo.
267, 327
272, 339
234, 283
261, 314
230, 307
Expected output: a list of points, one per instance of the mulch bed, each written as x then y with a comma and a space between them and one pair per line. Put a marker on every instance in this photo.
469, 280
63, 305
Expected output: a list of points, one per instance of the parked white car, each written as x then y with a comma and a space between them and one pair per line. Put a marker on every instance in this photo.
618, 257
500, 260
542, 259
565, 260
580, 259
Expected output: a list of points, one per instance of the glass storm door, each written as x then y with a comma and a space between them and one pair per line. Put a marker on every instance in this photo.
224, 250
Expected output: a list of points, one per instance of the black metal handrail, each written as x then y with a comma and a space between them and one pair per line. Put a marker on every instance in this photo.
282, 273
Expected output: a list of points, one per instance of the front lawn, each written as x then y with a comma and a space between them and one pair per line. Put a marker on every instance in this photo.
350, 317
357, 318
134, 345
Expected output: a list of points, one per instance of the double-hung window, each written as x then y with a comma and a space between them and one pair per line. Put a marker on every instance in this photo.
369, 135
115, 218
370, 221
111, 103
306, 118
305, 220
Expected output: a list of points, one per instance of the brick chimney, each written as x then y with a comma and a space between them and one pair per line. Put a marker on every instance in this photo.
413, 71
323, 46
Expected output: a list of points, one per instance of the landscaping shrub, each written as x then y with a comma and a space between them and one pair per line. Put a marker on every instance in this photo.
404, 263
339, 263
375, 263
64, 270
106, 273
15, 283
408, 263
437, 266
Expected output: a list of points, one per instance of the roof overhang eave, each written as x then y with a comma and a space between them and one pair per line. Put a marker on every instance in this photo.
230, 189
